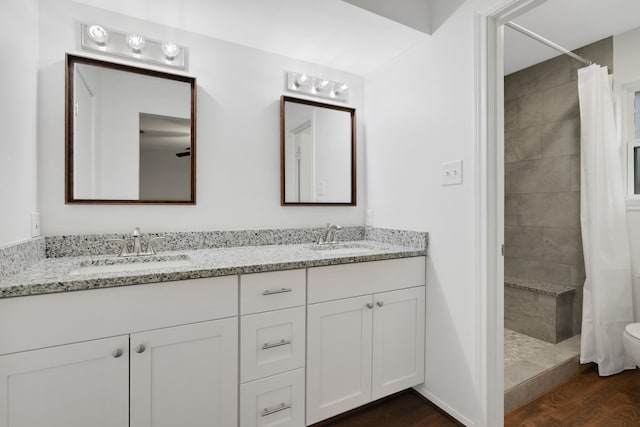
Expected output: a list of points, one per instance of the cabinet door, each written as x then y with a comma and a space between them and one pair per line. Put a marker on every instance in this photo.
338, 356
398, 340
185, 376
75, 385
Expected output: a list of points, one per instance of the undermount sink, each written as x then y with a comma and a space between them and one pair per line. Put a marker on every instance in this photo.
117, 265
342, 248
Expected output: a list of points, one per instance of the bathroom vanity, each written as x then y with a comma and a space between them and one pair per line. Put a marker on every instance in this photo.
250, 336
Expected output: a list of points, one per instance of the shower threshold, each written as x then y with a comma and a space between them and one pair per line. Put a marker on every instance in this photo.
532, 367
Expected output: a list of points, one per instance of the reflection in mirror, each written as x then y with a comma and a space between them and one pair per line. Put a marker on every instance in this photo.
317, 153
130, 134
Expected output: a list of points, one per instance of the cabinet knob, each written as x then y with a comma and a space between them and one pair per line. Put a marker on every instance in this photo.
117, 352
141, 348
380, 303
369, 305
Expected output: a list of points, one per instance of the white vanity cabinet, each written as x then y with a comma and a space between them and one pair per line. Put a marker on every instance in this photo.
365, 333
185, 376
272, 349
82, 384
57, 370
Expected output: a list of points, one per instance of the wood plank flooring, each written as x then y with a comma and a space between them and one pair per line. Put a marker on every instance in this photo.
586, 400
405, 409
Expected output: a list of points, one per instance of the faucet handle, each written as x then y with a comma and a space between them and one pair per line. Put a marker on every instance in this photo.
136, 232
151, 250
124, 249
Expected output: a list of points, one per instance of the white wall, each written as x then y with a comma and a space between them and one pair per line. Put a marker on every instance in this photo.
420, 113
626, 68
238, 158
18, 159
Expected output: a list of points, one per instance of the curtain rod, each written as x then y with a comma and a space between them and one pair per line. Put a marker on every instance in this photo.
547, 42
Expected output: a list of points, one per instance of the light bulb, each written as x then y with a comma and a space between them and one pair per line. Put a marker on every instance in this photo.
301, 80
136, 42
98, 34
322, 85
170, 50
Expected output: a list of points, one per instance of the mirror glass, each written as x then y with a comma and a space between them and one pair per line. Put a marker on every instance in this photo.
130, 134
317, 153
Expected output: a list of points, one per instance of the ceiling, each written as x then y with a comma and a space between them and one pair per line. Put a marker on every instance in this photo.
343, 36
569, 23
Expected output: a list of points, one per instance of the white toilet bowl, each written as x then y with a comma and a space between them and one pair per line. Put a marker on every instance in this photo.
631, 340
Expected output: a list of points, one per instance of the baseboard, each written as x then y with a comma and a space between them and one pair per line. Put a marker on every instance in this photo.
444, 406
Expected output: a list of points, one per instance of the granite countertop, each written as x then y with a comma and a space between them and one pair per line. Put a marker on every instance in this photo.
53, 275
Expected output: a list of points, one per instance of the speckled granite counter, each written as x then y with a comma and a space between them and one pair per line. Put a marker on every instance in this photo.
545, 288
52, 275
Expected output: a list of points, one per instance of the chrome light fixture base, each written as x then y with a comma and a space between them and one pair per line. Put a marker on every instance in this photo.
132, 45
317, 86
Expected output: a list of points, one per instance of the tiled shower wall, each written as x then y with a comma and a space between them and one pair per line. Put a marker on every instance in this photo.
542, 171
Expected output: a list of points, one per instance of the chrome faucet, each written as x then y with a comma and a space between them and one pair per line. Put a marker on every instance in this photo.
137, 245
330, 235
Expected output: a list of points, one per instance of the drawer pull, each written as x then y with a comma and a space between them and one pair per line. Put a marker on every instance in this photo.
280, 343
380, 303
278, 408
276, 291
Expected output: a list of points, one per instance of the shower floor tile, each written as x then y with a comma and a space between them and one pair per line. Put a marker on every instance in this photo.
519, 347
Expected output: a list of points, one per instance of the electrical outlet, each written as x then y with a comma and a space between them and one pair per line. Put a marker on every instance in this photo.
35, 224
452, 173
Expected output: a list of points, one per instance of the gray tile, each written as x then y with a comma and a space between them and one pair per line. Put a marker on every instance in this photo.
561, 138
523, 144
511, 87
541, 271
538, 176
523, 242
550, 105
510, 210
549, 209
564, 317
530, 313
562, 245
536, 385
545, 75
521, 371
575, 173
577, 311
511, 115
600, 52
577, 274
519, 346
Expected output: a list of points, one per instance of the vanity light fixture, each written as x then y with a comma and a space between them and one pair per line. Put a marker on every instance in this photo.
170, 50
317, 86
132, 45
136, 42
98, 34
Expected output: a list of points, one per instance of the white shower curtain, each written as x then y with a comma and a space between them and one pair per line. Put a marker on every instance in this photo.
607, 305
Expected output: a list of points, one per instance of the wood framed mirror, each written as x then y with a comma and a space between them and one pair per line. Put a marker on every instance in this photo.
130, 134
317, 153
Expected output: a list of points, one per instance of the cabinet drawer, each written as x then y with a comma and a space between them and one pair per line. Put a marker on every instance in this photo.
273, 401
349, 280
271, 343
271, 291
67, 317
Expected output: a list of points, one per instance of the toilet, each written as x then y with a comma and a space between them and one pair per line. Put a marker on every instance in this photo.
631, 340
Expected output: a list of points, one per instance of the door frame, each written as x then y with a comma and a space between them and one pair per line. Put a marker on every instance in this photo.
489, 202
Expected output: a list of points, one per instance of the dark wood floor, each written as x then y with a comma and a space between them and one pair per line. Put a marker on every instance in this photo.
586, 400
404, 409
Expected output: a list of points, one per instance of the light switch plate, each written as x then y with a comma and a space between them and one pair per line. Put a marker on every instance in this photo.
452, 173
35, 224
